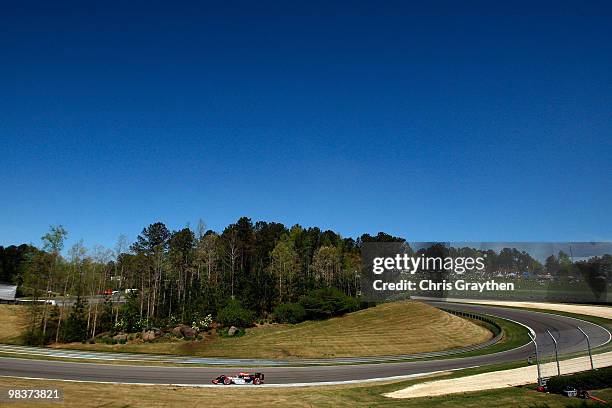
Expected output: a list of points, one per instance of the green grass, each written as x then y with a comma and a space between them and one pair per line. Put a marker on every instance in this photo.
514, 336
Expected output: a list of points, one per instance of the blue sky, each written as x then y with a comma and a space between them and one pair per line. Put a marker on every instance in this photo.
441, 121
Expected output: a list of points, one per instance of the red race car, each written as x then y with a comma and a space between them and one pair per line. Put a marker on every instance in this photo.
240, 379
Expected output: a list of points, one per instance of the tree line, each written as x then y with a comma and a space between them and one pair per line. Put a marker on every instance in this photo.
246, 272
180, 276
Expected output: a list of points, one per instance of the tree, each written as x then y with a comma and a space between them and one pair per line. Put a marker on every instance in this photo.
181, 245
230, 243
75, 328
101, 269
152, 244
36, 278
552, 265
53, 242
284, 266
233, 314
326, 265
120, 248
206, 256
182, 274
77, 253
13, 260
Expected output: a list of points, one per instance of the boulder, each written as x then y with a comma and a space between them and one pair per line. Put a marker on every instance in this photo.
184, 331
121, 337
232, 330
148, 335
188, 331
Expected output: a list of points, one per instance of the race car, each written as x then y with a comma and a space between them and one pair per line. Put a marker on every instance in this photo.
240, 379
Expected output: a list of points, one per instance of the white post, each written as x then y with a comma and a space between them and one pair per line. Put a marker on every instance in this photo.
589, 346
532, 337
556, 352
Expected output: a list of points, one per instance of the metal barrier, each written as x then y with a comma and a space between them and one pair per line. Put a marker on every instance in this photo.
496, 328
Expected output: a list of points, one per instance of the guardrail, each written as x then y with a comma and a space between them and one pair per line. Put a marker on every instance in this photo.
495, 328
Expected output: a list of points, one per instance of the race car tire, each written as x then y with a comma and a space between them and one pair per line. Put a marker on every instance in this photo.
227, 381
256, 381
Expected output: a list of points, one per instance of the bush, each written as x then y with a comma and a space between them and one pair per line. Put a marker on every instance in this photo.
75, 327
202, 324
326, 303
289, 313
235, 315
36, 338
587, 380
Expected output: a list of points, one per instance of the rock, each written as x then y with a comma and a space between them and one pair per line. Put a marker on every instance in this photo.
121, 337
188, 331
148, 335
232, 330
184, 331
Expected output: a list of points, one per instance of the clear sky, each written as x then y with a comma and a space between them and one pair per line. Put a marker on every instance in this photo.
444, 121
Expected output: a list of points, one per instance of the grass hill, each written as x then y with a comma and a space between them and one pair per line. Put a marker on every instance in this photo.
404, 327
392, 328
13, 322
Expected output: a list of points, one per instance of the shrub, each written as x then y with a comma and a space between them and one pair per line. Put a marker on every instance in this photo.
202, 324
173, 321
235, 315
36, 338
587, 380
326, 303
289, 313
75, 327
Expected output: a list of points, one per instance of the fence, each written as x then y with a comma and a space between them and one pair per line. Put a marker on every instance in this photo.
492, 324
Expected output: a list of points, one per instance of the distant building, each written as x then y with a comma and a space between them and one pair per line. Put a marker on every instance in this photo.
7, 292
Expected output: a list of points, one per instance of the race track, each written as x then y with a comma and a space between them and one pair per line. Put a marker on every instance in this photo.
563, 328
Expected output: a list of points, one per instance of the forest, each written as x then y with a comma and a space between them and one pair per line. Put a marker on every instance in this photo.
238, 276
247, 273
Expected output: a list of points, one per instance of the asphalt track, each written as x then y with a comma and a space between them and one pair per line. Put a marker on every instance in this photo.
563, 328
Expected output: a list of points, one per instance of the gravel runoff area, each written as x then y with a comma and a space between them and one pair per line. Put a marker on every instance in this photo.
598, 311
496, 379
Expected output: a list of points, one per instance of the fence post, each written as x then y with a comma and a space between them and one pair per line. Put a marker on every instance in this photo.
556, 352
532, 337
589, 346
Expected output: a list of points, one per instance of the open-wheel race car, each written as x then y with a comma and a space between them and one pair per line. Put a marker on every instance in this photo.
240, 379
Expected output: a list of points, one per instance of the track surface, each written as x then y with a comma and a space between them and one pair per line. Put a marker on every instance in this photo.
563, 328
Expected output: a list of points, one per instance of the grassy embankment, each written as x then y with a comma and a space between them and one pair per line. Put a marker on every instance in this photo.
405, 327
109, 395
13, 322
